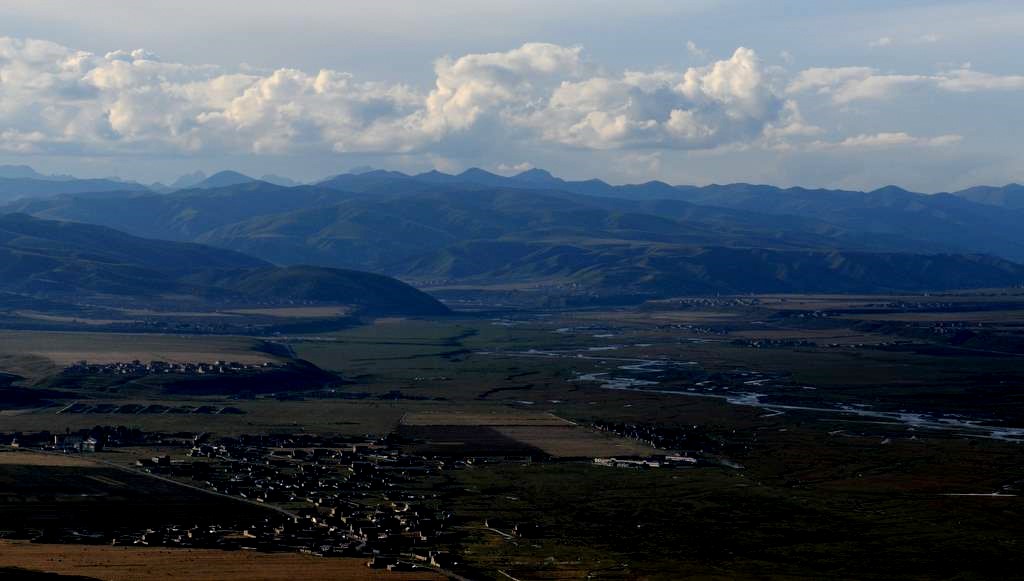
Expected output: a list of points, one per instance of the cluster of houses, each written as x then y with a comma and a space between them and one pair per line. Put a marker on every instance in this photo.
686, 303
694, 329
332, 496
953, 327
668, 460
355, 496
85, 440
919, 305
763, 343
140, 369
66, 443
694, 439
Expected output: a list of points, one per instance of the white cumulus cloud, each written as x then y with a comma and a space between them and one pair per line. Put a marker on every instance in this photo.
724, 102
887, 140
55, 98
59, 100
848, 84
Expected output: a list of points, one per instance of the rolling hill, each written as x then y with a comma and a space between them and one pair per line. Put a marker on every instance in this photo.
479, 228
50, 259
667, 270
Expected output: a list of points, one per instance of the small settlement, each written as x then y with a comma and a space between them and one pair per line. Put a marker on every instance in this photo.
140, 369
330, 496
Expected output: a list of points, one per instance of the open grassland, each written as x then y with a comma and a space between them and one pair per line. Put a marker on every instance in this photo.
396, 344
576, 442
814, 495
428, 364
839, 336
10, 457
469, 364
546, 432
69, 319
259, 416
721, 523
482, 417
54, 497
999, 317
63, 349
965, 299
429, 359
130, 564
27, 365
813, 499
325, 312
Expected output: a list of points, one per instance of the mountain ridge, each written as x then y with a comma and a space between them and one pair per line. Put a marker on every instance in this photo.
50, 259
424, 227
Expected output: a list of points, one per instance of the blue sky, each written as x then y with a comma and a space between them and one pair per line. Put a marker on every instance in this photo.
926, 95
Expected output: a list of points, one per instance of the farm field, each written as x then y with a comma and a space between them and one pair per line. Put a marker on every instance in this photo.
543, 432
325, 312
57, 496
63, 349
345, 417
15, 458
131, 563
483, 418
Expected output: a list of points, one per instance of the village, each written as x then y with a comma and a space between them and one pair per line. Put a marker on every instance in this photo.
326, 496
137, 368
330, 496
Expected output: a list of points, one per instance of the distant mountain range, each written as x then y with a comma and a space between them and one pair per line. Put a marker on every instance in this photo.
26, 172
63, 260
14, 188
480, 228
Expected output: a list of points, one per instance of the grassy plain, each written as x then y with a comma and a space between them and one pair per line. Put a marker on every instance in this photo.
132, 563
608, 523
65, 348
543, 431
260, 416
815, 495
495, 417
325, 312
54, 495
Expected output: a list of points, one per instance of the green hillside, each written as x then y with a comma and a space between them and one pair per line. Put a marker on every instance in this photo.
49, 259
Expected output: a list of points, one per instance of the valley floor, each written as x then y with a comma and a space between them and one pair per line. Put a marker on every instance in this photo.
831, 437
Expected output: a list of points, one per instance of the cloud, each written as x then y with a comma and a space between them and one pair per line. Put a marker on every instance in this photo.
504, 168
55, 98
884, 41
966, 80
696, 51
888, 140
848, 84
536, 97
725, 102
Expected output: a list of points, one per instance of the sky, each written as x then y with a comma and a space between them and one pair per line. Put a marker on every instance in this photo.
928, 95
